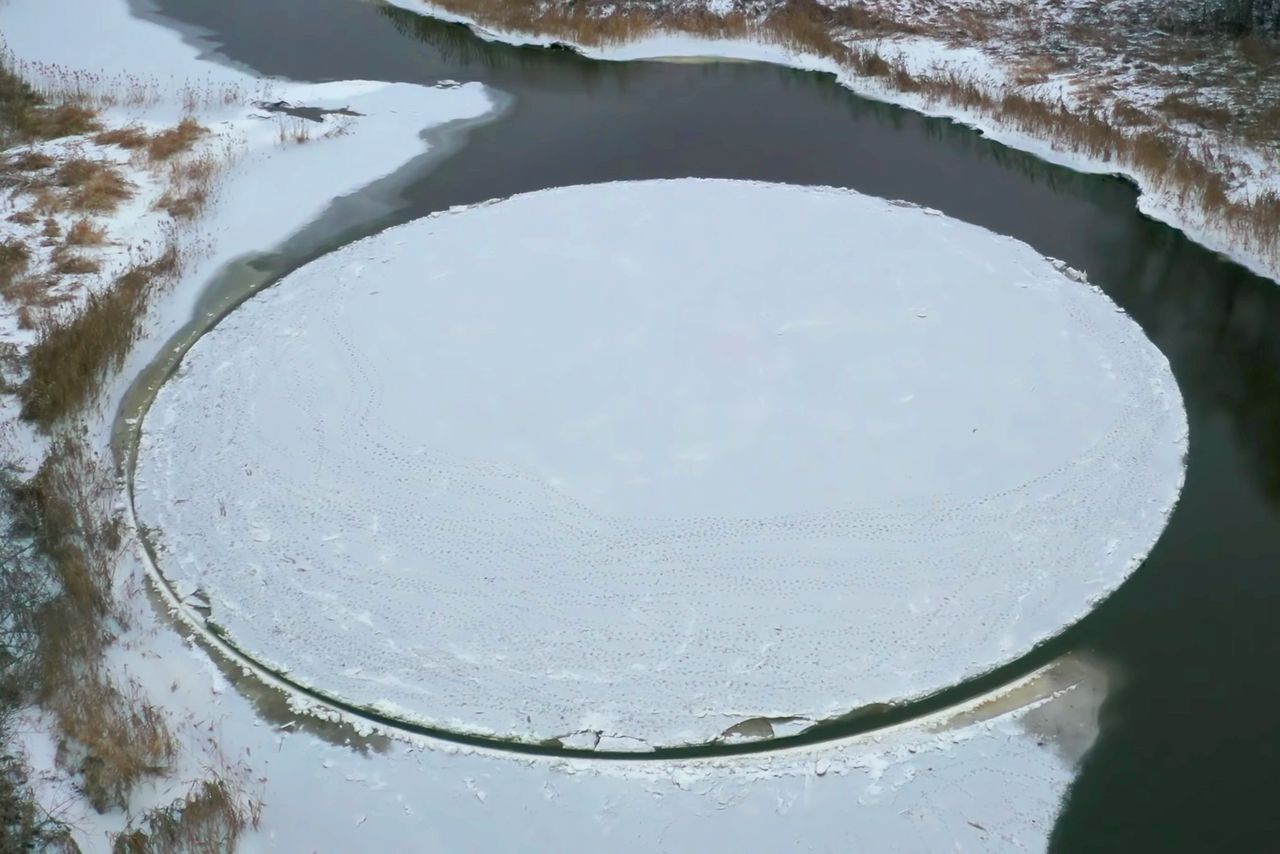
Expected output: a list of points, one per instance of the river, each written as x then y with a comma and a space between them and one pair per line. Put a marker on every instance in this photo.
1188, 747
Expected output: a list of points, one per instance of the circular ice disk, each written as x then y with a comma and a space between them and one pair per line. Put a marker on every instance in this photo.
647, 464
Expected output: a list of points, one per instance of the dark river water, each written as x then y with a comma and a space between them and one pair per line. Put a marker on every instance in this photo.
1189, 753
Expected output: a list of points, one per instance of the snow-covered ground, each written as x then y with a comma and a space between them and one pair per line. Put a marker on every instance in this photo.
988, 776
642, 462
1022, 47
274, 175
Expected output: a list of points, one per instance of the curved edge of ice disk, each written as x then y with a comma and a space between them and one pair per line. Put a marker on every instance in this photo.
655, 464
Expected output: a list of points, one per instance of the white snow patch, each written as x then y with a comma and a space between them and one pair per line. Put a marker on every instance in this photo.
654, 458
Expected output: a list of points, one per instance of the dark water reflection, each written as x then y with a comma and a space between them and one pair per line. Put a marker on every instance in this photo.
1189, 755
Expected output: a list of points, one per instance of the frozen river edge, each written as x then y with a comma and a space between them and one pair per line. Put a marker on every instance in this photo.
1006, 578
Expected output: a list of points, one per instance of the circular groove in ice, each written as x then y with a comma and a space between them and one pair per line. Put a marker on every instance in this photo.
628, 465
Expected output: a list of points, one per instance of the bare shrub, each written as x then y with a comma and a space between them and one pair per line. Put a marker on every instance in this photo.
23, 825
1185, 107
112, 737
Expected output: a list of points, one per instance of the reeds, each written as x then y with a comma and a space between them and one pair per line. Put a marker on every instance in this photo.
73, 353
209, 820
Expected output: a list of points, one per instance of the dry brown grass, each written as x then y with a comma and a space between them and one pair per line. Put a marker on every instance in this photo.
129, 138
72, 354
46, 200
290, 129
1262, 53
1126, 114
111, 736
57, 122
85, 232
92, 186
36, 296
75, 264
24, 218
183, 204
51, 228
190, 186
30, 161
1184, 107
176, 140
25, 115
14, 260
207, 821
64, 120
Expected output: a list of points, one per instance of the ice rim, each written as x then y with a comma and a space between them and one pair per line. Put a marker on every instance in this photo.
312, 695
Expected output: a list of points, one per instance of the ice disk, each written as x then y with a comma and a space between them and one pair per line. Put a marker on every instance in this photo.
636, 463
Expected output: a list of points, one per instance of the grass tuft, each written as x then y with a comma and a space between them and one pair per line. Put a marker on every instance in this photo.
74, 264
30, 161
208, 820
177, 140
14, 259
72, 354
85, 232
190, 186
94, 186
129, 138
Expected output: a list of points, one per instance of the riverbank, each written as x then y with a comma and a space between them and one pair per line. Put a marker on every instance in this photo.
1210, 169
127, 185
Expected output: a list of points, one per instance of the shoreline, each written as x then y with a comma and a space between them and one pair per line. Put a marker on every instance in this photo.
674, 45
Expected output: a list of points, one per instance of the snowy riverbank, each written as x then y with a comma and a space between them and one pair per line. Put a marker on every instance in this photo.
1259, 167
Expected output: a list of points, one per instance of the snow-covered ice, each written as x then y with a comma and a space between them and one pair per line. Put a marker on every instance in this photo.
630, 464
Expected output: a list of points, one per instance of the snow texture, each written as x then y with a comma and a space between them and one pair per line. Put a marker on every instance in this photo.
630, 464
